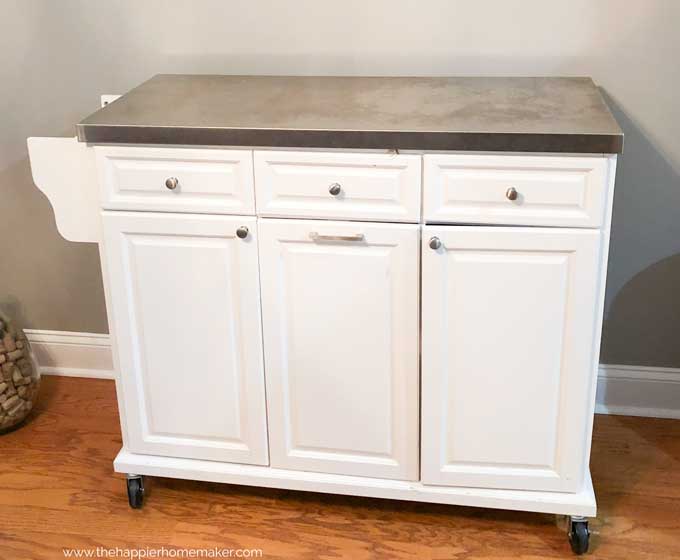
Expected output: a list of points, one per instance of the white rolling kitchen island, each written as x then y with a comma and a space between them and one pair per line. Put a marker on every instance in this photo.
386, 287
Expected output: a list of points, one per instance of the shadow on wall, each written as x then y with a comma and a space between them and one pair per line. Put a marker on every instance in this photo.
642, 326
642, 314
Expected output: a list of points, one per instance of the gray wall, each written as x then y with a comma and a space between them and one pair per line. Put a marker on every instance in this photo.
59, 56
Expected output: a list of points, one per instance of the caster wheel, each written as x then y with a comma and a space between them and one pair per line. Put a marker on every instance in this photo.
579, 536
135, 491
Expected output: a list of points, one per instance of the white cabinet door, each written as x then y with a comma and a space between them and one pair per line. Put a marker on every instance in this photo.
185, 302
340, 318
508, 339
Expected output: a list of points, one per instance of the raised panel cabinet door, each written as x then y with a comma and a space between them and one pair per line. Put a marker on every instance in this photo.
508, 321
340, 320
184, 294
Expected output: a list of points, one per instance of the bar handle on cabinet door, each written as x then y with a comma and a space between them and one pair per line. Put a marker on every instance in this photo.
314, 236
435, 243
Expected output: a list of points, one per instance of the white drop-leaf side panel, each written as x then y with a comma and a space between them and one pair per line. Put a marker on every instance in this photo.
381, 187
508, 316
209, 180
340, 322
186, 313
551, 190
64, 170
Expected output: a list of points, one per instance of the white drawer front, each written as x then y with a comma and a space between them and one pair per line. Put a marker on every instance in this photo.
208, 180
383, 187
548, 191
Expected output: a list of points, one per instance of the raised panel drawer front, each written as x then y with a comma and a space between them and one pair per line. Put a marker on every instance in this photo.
203, 180
340, 319
508, 325
352, 186
515, 190
185, 306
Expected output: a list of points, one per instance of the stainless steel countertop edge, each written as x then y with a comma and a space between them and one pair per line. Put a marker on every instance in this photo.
352, 139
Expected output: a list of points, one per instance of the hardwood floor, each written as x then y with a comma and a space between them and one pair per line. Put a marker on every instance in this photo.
57, 490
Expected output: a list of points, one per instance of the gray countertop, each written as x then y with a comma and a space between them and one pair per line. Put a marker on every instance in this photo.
482, 114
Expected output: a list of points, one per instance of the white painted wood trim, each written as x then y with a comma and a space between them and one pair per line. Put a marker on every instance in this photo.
564, 503
621, 389
72, 354
638, 391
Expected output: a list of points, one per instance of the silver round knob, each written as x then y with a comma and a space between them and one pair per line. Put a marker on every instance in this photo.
242, 232
171, 183
511, 193
335, 189
435, 243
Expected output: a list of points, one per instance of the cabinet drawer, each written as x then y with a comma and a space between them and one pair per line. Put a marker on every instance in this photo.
354, 186
515, 190
207, 180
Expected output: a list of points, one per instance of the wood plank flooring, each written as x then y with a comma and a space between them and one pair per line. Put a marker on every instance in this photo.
57, 490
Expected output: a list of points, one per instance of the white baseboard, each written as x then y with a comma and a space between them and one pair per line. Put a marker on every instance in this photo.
624, 390
638, 391
72, 354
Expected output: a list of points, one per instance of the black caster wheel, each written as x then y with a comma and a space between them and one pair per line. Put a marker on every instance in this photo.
135, 491
579, 536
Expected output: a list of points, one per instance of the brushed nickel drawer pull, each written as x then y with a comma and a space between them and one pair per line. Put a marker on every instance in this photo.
171, 183
435, 243
314, 236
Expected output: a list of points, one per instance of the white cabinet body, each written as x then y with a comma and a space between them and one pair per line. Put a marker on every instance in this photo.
340, 308
185, 306
469, 380
508, 321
